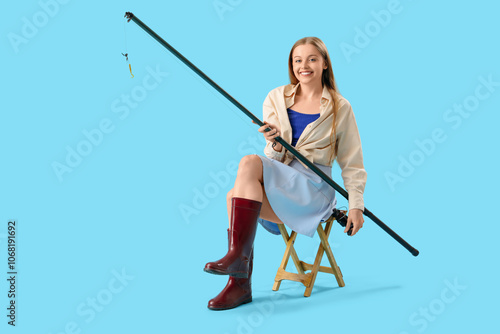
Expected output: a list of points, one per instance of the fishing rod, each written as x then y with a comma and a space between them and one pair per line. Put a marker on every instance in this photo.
280, 140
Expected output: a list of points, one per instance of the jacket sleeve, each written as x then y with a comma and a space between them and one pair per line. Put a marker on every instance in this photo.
270, 116
350, 156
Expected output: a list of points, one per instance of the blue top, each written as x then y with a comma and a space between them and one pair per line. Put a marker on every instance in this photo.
299, 121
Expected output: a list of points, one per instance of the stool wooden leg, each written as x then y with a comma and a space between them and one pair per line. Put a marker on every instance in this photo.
289, 247
315, 268
323, 235
295, 258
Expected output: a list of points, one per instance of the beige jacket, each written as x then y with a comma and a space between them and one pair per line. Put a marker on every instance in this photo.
314, 142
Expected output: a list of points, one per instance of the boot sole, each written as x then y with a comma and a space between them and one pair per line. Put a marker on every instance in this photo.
230, 307
235, 274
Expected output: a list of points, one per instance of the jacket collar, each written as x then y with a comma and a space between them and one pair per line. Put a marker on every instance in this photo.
291, 90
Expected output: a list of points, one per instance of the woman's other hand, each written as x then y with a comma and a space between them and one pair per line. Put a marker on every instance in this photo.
355, 218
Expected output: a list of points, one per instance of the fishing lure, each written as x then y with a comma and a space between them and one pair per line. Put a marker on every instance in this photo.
129, 66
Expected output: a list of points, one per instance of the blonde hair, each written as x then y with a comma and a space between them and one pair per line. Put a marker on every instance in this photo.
327, 79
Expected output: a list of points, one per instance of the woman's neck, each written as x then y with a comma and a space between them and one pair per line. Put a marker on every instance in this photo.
311, 91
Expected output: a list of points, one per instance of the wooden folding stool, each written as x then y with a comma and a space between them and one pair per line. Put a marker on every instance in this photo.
308, 278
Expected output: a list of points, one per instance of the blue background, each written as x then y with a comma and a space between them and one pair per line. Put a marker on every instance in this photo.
118, 213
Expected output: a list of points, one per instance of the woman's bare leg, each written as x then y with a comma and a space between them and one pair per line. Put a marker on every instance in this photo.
249, 178
250, 184
267, 212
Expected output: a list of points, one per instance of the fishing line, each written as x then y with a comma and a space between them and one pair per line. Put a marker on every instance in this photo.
126, 52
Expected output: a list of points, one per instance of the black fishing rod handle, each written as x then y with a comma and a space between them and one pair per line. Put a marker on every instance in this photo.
341, 218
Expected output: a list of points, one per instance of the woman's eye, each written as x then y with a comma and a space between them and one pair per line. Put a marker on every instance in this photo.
313, 59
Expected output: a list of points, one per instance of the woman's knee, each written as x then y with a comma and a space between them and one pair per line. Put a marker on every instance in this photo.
249, 160
250, 164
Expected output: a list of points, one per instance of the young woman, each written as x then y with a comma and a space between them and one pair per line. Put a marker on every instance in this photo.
311, 115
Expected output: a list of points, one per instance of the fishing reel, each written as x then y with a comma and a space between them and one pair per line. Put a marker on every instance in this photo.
341, 218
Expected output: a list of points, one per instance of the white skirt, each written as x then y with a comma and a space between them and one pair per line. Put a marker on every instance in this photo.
300, 198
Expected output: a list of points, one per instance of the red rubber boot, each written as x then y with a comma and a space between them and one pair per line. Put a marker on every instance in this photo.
237, 291
244, 215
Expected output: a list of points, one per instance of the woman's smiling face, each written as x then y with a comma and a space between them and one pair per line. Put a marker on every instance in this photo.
308, 65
